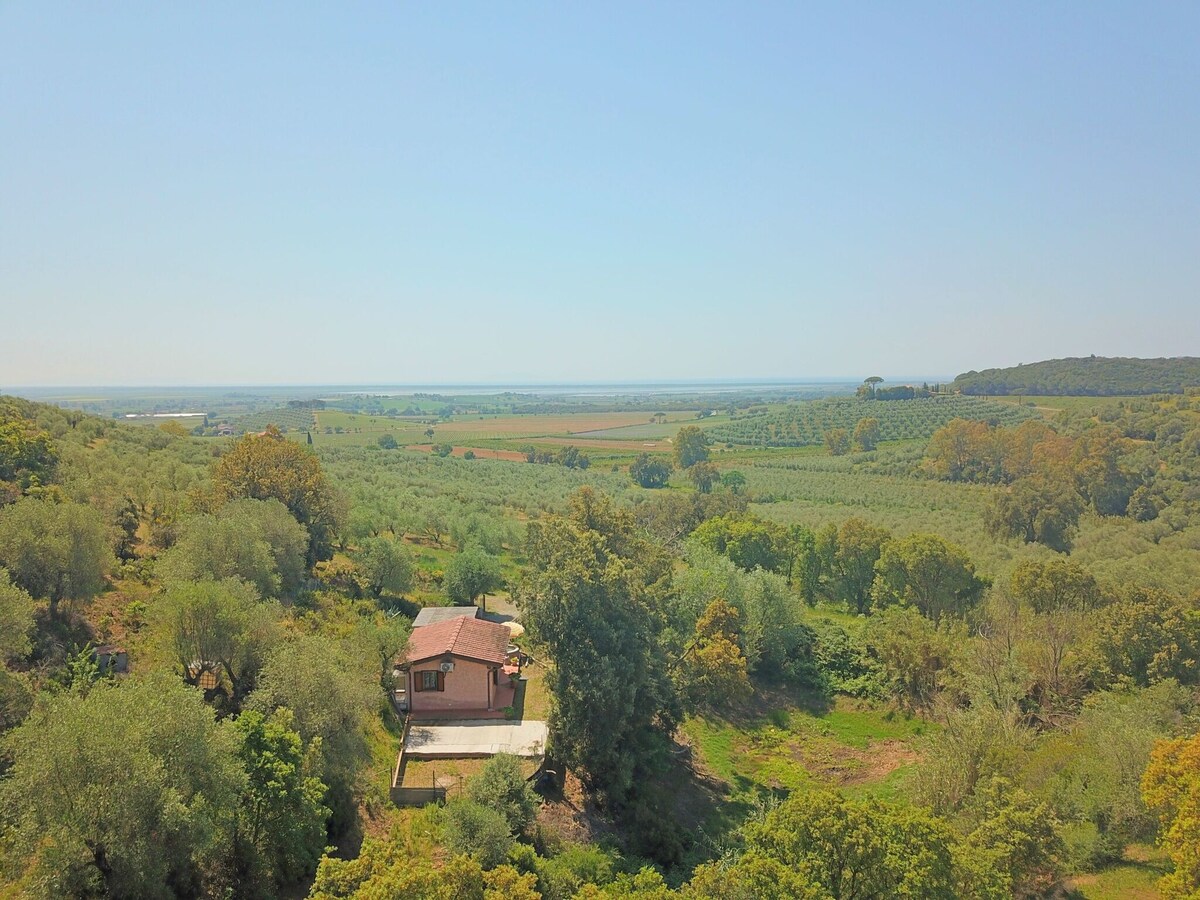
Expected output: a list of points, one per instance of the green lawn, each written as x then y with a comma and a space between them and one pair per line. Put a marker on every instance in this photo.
1133, 878
785, 744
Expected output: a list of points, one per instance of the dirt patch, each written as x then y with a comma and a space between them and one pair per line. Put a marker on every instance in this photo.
572, 817
840, 765
480, 452
882, 759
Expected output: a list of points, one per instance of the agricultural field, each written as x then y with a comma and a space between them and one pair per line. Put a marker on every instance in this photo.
283, 418
803, 424
651, 431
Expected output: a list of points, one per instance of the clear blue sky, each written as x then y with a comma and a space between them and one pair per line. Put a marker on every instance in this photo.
256, 193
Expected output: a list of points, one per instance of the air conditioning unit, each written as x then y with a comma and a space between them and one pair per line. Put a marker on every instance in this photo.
447, 667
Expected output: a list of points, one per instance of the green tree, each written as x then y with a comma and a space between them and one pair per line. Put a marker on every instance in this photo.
852, 552
713, 670
866, 433
650, 471
852, 849
332, 688
217, 627
1171, 787
27, 452
1035, 509
1015, 842
500, 785
388, 442
280, 829
704, 475
386, 566
917, 656
254, 540
268, 466
927, 572
1054, 585
691, 446
734, 481
478, 831
837, 441
1145, 635
16, 620
122, 791
55, 551
388, 869
592, 599
471, 574
747, 540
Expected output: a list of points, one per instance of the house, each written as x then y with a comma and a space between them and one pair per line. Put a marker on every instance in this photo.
459, 668
431, 614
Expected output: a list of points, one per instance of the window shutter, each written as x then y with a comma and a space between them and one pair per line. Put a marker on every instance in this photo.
417, 681
441, 681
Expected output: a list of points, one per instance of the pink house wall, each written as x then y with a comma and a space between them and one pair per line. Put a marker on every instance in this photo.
467, 687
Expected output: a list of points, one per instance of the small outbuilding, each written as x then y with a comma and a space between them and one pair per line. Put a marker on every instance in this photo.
432, 614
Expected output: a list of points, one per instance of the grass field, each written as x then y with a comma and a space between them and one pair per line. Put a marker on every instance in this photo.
1135, 877
782, 743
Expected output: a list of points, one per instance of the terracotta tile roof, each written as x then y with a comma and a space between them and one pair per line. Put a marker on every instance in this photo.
469, 638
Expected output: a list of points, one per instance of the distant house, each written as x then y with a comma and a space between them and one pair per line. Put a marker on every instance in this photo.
459, 668
224, 430
431, 614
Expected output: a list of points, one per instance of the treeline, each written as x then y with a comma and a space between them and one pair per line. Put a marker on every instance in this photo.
1140, 464
569, 457
807, 424
1086, 376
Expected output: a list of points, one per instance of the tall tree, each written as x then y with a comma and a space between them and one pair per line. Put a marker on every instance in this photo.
208, 547
593, 600
650, 471
280, 829
703, 476
1036, 509
866, 433
1055, 585
269, 466
837, 441
332, 688
820, 844
930, 573
691, 446
852, 552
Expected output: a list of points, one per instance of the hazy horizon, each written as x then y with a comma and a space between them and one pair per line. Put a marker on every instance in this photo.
549, 194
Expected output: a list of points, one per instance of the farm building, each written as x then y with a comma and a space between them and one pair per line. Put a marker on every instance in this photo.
459, 668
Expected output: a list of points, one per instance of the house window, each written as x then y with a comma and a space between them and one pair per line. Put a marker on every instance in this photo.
432, 681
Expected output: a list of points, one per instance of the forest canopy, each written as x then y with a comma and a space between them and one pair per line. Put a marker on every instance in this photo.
1086, 376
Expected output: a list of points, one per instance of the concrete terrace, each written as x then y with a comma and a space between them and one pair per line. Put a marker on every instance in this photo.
475, 738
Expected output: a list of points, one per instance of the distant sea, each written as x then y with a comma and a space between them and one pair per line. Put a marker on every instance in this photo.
599, 389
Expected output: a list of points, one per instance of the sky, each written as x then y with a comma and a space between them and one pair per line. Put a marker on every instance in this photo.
231, 193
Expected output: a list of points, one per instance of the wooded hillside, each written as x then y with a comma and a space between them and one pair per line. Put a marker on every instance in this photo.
1086, 376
